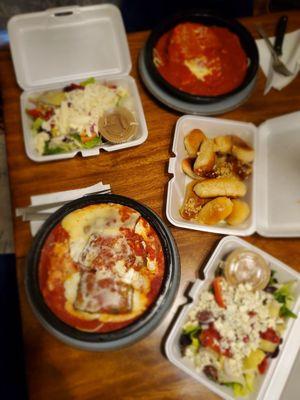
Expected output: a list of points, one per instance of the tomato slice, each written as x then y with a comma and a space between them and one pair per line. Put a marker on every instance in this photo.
262, 367
270, 335
210, 338
34, 113
217, 288
40, 113
47, 114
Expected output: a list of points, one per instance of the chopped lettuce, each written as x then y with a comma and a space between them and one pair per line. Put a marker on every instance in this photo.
195, 343
228, 374
274, 309
88, 81
284, 295
193, 330
52, 98
51, 148
239, 390
76, 138
96, 141
37, 124
250, 381
286, 312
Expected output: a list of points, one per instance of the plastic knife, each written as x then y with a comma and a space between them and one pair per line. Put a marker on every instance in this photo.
279, 36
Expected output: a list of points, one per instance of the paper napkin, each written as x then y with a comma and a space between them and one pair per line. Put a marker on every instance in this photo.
290, 57
61, 196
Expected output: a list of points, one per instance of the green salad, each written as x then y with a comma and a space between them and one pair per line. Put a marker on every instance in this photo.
66, 120
233, 331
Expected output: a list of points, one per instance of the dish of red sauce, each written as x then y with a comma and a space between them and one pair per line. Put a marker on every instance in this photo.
201, 60
101, 267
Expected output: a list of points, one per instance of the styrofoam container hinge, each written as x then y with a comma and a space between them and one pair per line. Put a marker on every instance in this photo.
172, 163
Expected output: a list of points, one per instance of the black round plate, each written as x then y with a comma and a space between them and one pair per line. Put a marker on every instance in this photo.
246, 40
140, 327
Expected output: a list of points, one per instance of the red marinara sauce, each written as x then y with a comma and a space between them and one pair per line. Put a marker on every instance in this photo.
56, 265
215, 52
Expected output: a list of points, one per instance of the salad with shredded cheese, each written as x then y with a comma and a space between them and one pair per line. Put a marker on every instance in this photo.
233, 331
66, 120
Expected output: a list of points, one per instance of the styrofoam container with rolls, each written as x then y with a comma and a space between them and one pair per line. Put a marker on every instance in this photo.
273, 190
270, 385
59, 46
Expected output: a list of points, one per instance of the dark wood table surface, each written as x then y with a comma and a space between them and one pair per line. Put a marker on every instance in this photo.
56, 371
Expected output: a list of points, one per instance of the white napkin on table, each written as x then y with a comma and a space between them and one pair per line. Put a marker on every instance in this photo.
61, 196
290, 57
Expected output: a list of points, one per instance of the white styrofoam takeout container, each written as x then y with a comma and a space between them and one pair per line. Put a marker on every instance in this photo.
270, 385
53, 48
273, 190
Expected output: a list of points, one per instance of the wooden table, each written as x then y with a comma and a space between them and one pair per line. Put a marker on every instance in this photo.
56, 371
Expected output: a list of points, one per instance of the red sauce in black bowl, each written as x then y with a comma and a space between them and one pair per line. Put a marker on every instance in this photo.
222, 41
215, 52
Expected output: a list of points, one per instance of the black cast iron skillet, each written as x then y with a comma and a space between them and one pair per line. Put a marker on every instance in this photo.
246, 40
140, 327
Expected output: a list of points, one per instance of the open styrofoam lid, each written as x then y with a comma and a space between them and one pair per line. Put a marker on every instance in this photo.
278, 194
68, 43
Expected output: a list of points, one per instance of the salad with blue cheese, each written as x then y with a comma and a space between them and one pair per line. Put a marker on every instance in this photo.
68, 119
236, 326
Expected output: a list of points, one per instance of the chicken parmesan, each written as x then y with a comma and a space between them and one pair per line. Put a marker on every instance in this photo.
201, 60
101, 267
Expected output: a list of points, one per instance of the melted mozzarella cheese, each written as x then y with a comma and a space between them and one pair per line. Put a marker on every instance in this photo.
105, 220
198, 68
140, 303
71, 286
141, 229
151, 265
100, 219
132, 277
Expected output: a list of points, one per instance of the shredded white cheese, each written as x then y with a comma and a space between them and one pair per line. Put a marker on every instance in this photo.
247, 313
81, 109
39, 142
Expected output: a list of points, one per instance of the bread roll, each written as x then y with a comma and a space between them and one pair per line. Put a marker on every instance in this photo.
215, 211
187, 168
241, 150
205, 160
223, 167
225, 186
223, 144
239, 214
192, 203
192, 141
